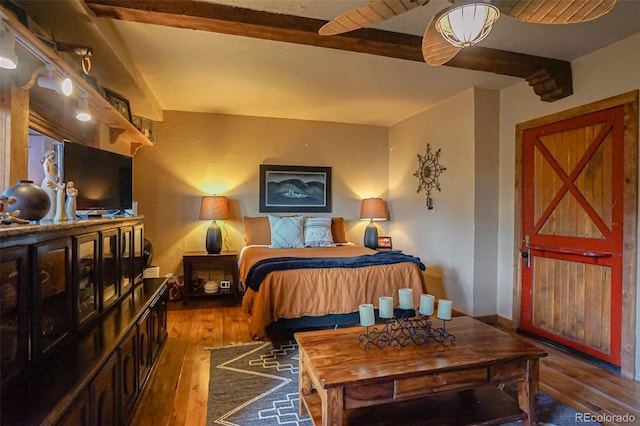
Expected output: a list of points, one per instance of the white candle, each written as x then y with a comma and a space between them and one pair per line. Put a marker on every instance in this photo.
366, 315
386, 307
444, 309
426, 304
406, 298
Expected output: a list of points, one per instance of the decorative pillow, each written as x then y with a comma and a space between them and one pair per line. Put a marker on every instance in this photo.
337, 230
317, 232
287, 232
257, 231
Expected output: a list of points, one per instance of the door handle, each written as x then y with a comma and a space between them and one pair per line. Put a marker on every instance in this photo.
526, 255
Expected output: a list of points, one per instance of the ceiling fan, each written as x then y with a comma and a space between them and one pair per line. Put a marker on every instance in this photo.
467, 22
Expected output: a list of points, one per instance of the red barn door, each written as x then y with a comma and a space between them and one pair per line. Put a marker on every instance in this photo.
572, 232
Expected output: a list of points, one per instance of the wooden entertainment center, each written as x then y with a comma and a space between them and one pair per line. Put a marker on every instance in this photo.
81, 330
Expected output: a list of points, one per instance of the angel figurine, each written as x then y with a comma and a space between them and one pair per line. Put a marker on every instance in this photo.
70, 203
7, 218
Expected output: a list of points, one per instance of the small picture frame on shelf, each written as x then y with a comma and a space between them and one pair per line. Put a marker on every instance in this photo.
147, 127
384, 243
119, 102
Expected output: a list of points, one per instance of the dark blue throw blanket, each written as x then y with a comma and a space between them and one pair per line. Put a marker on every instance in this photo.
260, 269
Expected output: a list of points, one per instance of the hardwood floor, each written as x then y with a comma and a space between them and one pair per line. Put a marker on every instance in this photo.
177, 390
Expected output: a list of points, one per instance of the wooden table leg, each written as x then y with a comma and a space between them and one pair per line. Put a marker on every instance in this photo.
333, 407
528, 392
304, 382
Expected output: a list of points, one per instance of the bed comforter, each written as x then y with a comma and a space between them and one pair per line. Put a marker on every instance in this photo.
295, 293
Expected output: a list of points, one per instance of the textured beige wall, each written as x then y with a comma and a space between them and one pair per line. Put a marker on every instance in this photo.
442, 238
458, 238
487, 148
200, 154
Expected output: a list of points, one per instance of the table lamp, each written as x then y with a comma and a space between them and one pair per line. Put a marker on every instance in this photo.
372, 209
214, 208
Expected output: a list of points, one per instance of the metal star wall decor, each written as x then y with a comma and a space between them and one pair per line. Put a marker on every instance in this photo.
429, 170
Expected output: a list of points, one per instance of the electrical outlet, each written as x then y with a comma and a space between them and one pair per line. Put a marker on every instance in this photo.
225, 284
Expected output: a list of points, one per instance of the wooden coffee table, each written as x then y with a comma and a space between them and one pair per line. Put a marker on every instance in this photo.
418, 384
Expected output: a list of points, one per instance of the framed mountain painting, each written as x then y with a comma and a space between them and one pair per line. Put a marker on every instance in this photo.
295, 189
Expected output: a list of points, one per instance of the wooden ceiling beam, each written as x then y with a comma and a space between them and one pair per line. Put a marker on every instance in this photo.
550, 78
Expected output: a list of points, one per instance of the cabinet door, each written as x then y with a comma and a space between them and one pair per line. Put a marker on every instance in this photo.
128, 367
79, 413
144, 348
109, 260
85, 274
104, 391
14, 333
52, 300
126, 259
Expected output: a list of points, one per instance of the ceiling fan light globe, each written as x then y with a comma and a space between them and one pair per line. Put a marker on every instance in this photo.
8, 57
467, 25
8, 63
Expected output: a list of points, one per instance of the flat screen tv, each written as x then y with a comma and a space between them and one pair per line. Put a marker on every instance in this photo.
104, 179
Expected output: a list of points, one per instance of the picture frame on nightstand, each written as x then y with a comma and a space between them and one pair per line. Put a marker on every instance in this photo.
385, 243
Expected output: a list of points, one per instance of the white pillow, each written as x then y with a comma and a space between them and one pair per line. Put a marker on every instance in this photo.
317, 232
286, 232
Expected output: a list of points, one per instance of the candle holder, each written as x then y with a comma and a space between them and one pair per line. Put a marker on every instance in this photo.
406, 330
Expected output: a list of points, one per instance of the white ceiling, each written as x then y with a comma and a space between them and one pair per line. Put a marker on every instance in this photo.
189, 70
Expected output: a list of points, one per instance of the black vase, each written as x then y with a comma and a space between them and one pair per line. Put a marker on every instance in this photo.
32, 201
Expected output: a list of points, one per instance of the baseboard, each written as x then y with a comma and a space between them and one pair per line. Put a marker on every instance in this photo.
488, 319
504, 323
495, 319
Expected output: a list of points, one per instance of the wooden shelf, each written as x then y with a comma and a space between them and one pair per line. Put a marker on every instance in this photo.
482, 406
101, 109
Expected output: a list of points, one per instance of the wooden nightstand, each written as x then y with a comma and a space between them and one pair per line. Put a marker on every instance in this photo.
200, 267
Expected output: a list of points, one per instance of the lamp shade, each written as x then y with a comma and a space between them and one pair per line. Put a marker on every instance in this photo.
214, 207
373, 209
467, 25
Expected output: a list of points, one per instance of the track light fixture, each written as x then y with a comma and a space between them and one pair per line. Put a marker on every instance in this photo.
8, 57
83, 113
56, 83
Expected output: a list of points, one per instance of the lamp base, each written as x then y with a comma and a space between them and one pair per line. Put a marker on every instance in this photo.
214, 238
371, 236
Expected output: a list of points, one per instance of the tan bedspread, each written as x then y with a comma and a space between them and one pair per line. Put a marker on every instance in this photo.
317, 292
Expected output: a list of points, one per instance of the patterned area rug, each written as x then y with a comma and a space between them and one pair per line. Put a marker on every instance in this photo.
257, 385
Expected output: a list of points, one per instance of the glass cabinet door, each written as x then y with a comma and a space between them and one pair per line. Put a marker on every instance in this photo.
109, 257
126, 259
52, 294
139, 261
85, 278
14, 335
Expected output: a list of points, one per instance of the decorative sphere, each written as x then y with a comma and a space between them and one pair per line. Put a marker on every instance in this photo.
32, 201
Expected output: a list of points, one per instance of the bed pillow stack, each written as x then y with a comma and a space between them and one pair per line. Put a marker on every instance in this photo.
257, 231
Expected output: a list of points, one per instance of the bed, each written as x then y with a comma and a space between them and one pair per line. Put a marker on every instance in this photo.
318, 281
